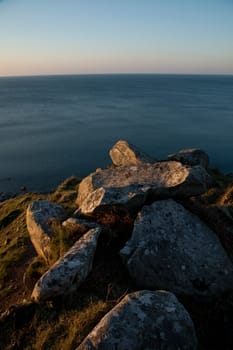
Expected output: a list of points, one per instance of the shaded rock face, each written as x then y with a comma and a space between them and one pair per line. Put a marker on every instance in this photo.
124, 153
131, 185
172, 249
192, 156
144, 320
69, 272
38, 217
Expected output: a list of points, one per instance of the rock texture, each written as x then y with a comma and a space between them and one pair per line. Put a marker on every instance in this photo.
124, 153
38, 217
131, 185
144, 320
69, 272
80, 225
192, 156
172, 249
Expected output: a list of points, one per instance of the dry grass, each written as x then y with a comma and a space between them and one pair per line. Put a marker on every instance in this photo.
71, 327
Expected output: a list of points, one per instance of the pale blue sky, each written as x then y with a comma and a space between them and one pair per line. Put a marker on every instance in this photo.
111, 36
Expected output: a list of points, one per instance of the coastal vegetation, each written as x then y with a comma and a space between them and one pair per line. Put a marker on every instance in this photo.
63, 323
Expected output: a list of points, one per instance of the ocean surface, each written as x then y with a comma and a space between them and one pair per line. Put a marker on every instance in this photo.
56, 126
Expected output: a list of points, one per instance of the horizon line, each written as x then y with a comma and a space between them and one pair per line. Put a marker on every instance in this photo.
109, 73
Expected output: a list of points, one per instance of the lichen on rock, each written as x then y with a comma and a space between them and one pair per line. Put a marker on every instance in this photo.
70, 271
144, 320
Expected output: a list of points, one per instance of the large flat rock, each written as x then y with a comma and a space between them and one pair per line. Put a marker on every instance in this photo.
144, 320
131, 185
172, 249
70, 271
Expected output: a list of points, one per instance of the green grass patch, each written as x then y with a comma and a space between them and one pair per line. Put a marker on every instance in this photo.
15, 243
66, 194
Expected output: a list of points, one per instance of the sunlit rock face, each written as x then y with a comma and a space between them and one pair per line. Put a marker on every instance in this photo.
124, 153
144, 320
192, 156
38, 217
172, 249
70, 271
131, 185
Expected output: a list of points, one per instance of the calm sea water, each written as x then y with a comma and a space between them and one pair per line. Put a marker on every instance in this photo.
57, 126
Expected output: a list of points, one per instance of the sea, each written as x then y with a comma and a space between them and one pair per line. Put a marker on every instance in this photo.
53, 127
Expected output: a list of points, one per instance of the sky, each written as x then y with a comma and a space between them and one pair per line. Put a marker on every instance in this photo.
116, 36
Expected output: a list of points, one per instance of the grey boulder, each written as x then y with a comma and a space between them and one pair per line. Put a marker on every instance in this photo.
191, 156
124, 153
144, 320
38, 218
70, 271
131, 185
172, 249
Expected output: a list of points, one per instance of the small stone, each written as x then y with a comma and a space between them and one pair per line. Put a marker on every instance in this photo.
79, 225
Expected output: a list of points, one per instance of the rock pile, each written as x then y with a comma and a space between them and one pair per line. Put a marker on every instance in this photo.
170, 248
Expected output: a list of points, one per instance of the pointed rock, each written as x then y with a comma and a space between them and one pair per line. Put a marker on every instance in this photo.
69, 272
172, 249
130, 185
124, 153
38, 217
144, 320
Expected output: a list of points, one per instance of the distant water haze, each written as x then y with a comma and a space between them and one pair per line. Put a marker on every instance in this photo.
56, 126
